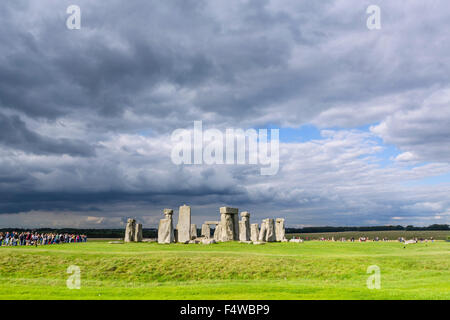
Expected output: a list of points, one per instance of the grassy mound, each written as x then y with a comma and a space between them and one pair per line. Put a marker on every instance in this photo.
310, 270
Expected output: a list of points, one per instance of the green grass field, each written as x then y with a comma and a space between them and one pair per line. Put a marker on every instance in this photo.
309, 270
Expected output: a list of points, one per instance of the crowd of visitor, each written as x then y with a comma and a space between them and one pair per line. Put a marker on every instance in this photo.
364, 239
34, 238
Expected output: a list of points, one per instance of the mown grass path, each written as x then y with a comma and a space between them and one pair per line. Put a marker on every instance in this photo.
310, 270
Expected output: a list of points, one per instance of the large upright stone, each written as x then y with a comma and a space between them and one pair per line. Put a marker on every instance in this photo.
184, 224
228, 225
236, 226
254, 232
280, 233
165, 229
244, 227
130, 230
267, 232
206, 231
270, 235
138, 232
218, 232
263, 231
193, 231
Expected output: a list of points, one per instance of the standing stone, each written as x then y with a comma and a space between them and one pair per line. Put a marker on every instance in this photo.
236, 226
130, 230
244, 227
263, 231
165, 229
193, 231
280, 232
206, 231
218, 232
184, 224
138, 233
228, 227
270, 235
254, 232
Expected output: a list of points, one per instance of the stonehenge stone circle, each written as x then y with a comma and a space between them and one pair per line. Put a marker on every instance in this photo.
193, 231
130, 230
254, 232
280, 233
244, 227
184, 224
165, 229
138, 233
229, 228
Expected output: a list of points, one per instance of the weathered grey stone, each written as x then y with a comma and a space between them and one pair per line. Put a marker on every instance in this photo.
165, 229
208, 241
244, 227
258, 242
193, 231
227, 227
206, 231
280, 233
263, 231
218, 232
229, 210
249, 242
138, 233
212, 222
235, 226
295, 240
270, 235
184, 224
267, 232
229, 224
254, 232
130, 230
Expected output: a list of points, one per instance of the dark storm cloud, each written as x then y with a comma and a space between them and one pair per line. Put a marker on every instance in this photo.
235, 60
15, 134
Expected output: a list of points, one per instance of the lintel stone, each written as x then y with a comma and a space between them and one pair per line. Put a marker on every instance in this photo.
229, 210
211, 222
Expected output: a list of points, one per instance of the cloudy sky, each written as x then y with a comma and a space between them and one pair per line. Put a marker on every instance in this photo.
86, 115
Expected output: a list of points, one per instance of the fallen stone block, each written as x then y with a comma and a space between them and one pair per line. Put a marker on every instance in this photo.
208, 241
258, 242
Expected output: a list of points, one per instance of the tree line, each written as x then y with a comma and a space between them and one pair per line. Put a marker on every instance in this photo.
153, 233
433, 227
